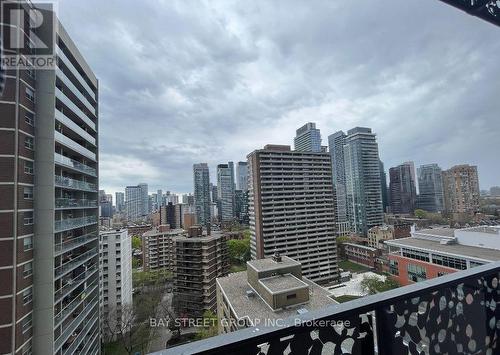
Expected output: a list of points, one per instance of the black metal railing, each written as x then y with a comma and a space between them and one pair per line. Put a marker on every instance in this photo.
457, 313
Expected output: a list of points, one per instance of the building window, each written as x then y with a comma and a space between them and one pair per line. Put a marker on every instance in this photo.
291, 297
454, 263
475, 263
28, 269
27, 243
442, 273
26, 323
28, 218
27, 296
415, 254
28, 167
31, 72
29, 143
394, 267
416, 273
28, 193
30, 94
29, 118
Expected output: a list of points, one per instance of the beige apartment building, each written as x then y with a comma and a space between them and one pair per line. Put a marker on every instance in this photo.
461, 190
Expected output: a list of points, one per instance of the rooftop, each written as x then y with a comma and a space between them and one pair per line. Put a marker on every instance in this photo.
281, 283
235, 288
270, 264
438, 232
454, 249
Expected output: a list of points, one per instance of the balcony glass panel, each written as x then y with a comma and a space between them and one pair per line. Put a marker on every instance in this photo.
90, 306
74, 263
75, 242
74, 184
74, 283
72, 223
75, 203
73, 304
60, 159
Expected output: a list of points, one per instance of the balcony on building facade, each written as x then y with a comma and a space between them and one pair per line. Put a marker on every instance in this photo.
72, 243
72, 203
75, 72
74, 165
61, 181
72, 223
75, 146
73, 283
456, 314
75, 262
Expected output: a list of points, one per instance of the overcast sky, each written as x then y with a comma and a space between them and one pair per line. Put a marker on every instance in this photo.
183, 82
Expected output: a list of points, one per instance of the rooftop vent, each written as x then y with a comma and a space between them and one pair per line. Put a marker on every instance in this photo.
250, 293
277, 257
448, 241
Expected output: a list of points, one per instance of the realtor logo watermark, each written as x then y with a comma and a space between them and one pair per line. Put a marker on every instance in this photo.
28, 34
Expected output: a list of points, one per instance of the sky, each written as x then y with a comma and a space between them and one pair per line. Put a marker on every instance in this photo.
183, 82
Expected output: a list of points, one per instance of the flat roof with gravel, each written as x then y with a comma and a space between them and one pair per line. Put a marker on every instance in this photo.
235, 287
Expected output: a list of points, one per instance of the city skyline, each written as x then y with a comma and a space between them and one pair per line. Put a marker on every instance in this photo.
426, 91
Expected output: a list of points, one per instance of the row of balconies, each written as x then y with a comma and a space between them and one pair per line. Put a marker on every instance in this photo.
72, 223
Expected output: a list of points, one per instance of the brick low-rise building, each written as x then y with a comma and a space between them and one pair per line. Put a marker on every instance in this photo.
361, 254
431, 253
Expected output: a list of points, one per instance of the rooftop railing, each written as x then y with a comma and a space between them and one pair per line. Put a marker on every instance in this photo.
457, 313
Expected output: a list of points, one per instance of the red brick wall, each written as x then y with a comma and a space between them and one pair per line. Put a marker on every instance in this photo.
431, 269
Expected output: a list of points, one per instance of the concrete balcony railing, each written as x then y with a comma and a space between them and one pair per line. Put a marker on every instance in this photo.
77, 147
72, 223
75, 165
457, 313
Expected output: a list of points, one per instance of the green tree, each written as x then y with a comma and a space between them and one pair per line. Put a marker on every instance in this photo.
136, 242
239, 250
373, 285
209, 328
421, 214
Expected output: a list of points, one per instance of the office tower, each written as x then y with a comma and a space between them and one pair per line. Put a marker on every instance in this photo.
49, 295
242, 176
292, 209
120, 201
145, 199
178, 213
308, 138
336, 143
430, 186
201, 178
214, 193
188, 220
169, 216
159, 198
115, 258
461, 190
198, 260
383, 186
402, 189
241, 206
362, 173
133, 203
225, 192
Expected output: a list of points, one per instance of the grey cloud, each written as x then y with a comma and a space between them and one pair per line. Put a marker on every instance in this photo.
190, 81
